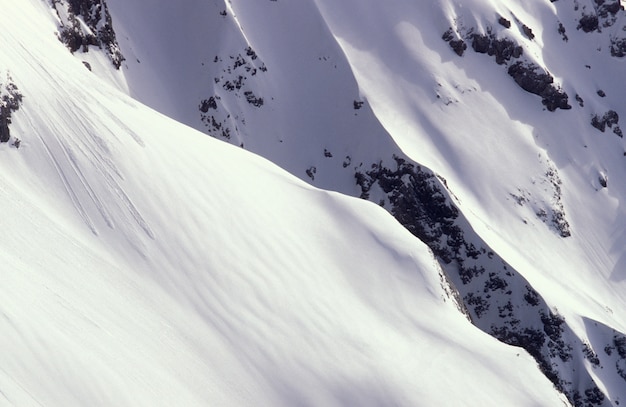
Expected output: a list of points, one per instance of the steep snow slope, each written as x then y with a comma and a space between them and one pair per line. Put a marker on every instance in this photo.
300, 112
145, 264
424, 95
509, 147
496, 162
530, 225
513, 166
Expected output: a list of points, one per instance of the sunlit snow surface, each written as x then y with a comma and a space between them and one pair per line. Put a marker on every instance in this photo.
144, 263
462, 117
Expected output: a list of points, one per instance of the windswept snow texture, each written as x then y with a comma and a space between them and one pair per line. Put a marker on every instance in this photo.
144, 263
489, 130
515, 106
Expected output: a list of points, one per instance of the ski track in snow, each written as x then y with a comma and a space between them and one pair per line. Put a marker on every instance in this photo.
92, 151
69, 189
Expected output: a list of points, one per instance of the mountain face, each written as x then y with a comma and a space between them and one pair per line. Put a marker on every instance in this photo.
150, 264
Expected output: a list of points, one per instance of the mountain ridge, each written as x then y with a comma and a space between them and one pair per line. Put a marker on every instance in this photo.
339, 131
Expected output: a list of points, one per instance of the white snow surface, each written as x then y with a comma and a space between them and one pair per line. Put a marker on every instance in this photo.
464, 118
144, 263
490, 139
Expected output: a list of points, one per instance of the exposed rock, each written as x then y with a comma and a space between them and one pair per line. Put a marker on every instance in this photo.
88, 23
481, 43
448, 35
206, 104
457, 44
10, 101
252, 99
580, 100
5, 120
528, 32
557, 217
530, 77
618, 47
533, 79
588, 23
609, 119
310, 172
503, 49
603, 14
418, 203
235, 81
608, 9
603, 180
486, 284
527, 75
504, 22
561, 31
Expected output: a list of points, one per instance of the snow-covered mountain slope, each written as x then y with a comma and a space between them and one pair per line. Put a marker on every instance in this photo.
515, 106
144, 263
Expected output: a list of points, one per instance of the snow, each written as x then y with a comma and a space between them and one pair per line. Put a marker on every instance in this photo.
321, 56
485, 157
144, 263
149, 264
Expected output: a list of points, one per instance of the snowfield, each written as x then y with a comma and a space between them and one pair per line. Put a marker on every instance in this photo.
144, 263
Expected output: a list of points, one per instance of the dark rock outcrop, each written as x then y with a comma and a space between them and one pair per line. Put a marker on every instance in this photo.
533, 79
527, 75
503, 49
608, 9
487, 285
610, 119
97, 30
458, 45
10, 101
528, 32
588, 23
618, 47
